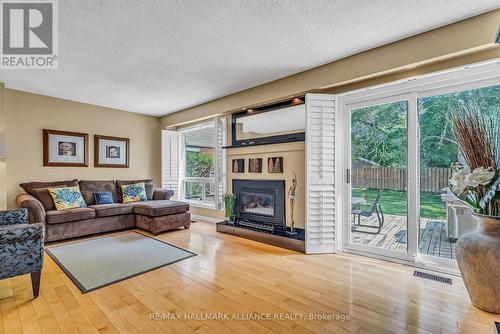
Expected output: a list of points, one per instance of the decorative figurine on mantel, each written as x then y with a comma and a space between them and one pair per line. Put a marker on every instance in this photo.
292, 196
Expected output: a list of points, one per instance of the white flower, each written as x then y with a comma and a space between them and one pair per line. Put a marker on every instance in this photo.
479, 176
457, 181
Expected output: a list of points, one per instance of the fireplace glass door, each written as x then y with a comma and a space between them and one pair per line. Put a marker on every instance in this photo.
260, 201
257, 203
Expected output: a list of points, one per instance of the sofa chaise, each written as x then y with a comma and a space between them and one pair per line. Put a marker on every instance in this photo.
157, 214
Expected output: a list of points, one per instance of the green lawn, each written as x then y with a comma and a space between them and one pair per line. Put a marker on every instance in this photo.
394, 202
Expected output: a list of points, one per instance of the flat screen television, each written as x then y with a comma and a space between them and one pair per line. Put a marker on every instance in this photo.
278, 123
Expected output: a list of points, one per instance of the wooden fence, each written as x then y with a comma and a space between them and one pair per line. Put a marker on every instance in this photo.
431, 179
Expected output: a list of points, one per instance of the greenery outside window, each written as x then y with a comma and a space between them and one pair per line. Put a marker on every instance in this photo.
198, 179
201, 171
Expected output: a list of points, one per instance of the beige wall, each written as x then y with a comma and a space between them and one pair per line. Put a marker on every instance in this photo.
205, 212
293, 162
3, 165
27, 114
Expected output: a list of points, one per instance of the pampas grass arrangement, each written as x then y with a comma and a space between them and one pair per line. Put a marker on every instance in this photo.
478, 137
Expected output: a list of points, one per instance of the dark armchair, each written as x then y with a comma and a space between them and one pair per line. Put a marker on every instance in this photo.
21, 247
375, 209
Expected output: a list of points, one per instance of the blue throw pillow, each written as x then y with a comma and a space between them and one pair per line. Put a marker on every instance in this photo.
103, 197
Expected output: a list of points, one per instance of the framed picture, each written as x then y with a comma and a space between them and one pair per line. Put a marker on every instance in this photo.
238, 165
255, 165
63, 148
275, 165
111, 151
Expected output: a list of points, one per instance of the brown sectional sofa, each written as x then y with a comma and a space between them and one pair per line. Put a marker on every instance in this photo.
156, 215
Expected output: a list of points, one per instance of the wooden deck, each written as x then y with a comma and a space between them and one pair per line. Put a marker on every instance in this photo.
393, 236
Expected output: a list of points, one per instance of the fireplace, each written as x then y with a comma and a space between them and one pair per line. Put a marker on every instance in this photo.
260, 201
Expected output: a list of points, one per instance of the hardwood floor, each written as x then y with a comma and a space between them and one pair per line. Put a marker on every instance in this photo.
232, 276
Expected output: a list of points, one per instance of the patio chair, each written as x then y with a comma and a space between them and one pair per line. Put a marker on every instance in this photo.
21, 247
376, 209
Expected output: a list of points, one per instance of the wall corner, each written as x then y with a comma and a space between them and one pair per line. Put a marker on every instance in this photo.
3, 160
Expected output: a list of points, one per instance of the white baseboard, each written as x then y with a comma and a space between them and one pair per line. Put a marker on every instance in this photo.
206, 219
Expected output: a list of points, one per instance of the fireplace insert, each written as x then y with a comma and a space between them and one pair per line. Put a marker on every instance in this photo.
260, 201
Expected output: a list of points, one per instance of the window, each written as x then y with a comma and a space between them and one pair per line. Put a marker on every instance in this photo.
198, 177
194, 164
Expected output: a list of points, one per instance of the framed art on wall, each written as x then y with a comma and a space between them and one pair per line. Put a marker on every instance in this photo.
111, 151
238, 165
65, 149
255, 165
275, 165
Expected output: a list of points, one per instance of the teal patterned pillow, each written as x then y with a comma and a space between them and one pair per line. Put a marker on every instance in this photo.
135, 192
67, 197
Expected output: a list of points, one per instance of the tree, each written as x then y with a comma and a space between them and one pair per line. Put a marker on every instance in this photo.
438, 147
379, 133
198, 164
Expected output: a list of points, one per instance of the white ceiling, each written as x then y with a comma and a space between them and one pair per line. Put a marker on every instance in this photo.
157, 57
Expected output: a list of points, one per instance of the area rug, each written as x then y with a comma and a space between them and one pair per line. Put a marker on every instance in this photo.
95, 263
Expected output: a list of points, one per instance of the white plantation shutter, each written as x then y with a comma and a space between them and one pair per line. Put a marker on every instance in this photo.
219, 142
320, 173
170, 161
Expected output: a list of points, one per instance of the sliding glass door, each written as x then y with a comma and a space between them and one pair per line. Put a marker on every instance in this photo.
443, 219
400, 152
378, 177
